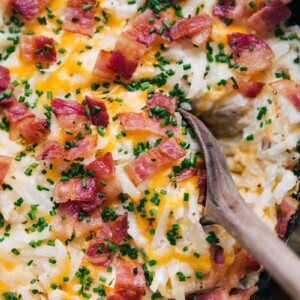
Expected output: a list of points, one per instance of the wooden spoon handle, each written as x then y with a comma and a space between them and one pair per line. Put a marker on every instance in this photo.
225, 206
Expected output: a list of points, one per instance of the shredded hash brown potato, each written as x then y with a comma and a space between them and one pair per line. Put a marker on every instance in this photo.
102, 183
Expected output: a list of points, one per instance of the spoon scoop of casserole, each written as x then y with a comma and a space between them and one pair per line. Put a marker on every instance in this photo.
225, 206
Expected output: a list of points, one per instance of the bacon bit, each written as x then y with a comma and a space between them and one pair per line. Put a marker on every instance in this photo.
98, 112
25, 123
252, 264
18, 112
154, 159
124, 294
4, 78
5, 86
107, 182
186, 174
269, 16
37, 48
242, 294
139, 122
238, 269
218, 268
288, 208
250, 89
78, 19
66, 220
251, 52
115, 232
51, 150
32, 130
202, 183
289, 89
73, 190
71, 116
201, 37
126, 279
97, 252
235, 10
163, 101
142, 30
28, 8
91, 205
100, 69
5, 162
217, 294
89, 223
126, 56
66, 107
104, 167
119, 229
192, 26
86, 146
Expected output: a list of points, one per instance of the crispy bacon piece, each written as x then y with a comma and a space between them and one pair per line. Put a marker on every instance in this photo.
269, 16
139, 122
107, 182
4, 78
80, 16
142, 30
18, 112
32, 130
5, 162
98, 112
235, 10
126, 56
66, 107
288, 208
67, 220
186, 174
6, 89
289, 89
251, 52
86, 146
163, 101
28, 8
127, 279
192, 26
218, 268
119, 229
87, 223
250, 89
238, 269
91, 205
99, 253
75, 190
25, 123
154, 159
51, 150
124, 294
37, 48
100, 69
202, 183
71, 116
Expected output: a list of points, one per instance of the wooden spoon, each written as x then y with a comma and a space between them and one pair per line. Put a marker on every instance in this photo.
225, 206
